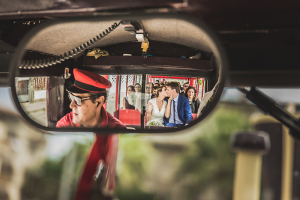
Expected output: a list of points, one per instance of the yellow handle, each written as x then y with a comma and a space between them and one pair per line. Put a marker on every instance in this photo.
247, 175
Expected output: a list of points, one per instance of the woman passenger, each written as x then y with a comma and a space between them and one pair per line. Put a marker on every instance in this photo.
156, 108
130, 100
191, 94
138, 94
138, 89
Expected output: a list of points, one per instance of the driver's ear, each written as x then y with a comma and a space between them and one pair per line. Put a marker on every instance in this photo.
100, 101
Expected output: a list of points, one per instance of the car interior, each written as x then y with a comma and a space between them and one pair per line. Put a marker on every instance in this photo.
241, 57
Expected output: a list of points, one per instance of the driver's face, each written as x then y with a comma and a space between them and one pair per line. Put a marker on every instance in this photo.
86, 112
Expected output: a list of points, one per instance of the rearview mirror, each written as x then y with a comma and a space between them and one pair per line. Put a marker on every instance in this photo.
132, 55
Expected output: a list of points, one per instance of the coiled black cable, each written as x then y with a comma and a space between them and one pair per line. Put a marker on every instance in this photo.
33, 64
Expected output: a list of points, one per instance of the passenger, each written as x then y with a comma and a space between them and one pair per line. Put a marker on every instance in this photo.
149, 92
162, 84
138, 95
154, 92
129, 101
138, 89
156, 85
185, 86
178, 111
191, 94
156, 108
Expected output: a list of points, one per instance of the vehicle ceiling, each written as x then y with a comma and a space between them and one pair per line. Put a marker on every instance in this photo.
61, 38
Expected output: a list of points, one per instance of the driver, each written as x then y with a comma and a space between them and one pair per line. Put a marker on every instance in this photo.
87, 95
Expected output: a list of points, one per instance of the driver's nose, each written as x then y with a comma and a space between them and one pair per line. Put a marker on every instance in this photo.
73, 104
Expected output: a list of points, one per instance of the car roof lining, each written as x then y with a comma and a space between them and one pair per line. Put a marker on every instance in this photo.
63, 37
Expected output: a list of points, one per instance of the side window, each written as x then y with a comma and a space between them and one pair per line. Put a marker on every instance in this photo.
129, 96
125, 98
32, 93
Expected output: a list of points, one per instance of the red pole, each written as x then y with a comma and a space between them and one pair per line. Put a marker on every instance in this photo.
197, 86
126, 83
133, 80
191, 82
117, 92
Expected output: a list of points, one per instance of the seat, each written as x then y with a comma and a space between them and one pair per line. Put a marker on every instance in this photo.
194, 116
128, 116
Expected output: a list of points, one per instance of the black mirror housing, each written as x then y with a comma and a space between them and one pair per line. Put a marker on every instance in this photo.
211, 68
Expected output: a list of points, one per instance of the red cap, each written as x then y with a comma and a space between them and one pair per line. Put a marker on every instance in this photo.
88, 82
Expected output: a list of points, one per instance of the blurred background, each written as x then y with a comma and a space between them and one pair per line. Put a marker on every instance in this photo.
194, 164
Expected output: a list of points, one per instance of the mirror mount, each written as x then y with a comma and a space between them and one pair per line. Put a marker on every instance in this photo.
268, 106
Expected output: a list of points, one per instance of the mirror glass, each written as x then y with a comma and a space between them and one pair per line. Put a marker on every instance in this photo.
140, 59
137, 100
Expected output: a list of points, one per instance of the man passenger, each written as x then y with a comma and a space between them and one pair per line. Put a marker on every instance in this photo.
178, 112
185, 86
149, 92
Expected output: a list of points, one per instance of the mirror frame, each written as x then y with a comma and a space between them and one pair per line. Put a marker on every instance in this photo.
217, 49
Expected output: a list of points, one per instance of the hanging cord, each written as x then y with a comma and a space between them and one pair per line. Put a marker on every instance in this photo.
33, 64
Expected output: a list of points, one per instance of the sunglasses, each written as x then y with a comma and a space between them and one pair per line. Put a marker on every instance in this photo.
148, 87
78, 100
186, 86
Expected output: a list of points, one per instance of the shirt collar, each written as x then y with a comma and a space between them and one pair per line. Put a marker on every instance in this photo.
176, 99
104, 118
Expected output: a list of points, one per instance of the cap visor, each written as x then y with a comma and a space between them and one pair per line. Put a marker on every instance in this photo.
74, 89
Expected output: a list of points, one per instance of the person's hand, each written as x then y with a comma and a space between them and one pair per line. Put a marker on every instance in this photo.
171, 97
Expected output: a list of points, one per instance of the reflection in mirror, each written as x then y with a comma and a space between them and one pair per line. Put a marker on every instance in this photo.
32, 94
137, 100
156, 73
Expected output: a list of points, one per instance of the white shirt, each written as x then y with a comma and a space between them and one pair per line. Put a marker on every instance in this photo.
148, 97
171, 119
